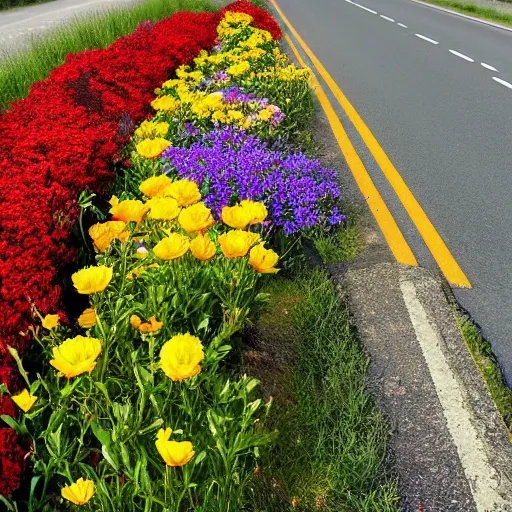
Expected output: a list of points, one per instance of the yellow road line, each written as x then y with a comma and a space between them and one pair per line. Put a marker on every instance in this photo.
385, 220
428, 232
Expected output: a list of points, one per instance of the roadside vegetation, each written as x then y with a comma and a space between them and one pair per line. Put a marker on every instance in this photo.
486, 13
20, 70
331, 451
486, 362
7, 4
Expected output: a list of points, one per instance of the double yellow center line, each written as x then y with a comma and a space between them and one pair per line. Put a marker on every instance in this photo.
394, 237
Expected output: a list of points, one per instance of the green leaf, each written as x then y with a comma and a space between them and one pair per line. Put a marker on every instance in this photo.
16, 356
110, 457
103, 436
6, 502
20, 429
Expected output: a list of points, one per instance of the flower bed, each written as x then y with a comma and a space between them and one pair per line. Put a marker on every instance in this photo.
63, 138
133, 408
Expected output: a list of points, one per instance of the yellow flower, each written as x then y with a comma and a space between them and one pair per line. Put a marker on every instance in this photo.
196, 218
114, 201
174, 453
24, 400
239, 69
236, 216
151, 326
185, 192
50, 322
266, 114
202, 247
156, 186
258, 211
152, 129
137, 273
92, 279
163, 208
263, 260
235, 244
76, 356
172, 247
181, 356
80, 492
130, 210
152, 148
165, 103
220, 117
87, 318
235, 115
103, 234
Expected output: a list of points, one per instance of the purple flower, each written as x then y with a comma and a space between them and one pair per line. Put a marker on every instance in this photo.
229, 166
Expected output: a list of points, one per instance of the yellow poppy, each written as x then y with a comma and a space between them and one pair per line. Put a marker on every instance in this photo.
263, 260
50, 322
87, 318
236, 216
196, 218
257, 210
181, 356
103, 234
172, 247
79, 492
202, 247
185, 192
152, 326
24, 400
130, 210
92, 280
163, 208
236, 244
174, 453
76, 356
152, 129
152, 148
137, 273
156, 186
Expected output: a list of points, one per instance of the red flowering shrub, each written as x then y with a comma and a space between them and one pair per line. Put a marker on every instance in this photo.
62, 139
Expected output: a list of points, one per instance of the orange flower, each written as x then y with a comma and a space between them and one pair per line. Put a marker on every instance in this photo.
152, 326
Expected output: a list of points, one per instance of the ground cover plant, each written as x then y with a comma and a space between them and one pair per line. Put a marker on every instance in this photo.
138, 403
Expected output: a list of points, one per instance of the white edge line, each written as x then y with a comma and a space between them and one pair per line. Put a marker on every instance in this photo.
481, 475
365, 8
461, 55
386, 18
502, 82
455, 13
487, 66
402, 25
425, 38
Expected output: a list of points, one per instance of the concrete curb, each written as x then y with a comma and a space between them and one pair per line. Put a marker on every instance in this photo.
471, 18
449, 444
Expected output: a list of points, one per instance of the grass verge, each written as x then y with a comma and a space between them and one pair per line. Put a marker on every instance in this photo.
331, 450
486, 13
19, 71
481, 352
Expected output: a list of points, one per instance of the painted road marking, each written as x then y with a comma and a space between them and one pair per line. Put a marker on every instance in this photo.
428, 232
425, 38
461, 55
402, 25
487, 66
394, 237
365, 8
481, 476
502, 82
387, 19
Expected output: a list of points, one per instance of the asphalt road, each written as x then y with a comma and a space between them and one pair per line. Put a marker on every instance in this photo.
19, 26
445, 124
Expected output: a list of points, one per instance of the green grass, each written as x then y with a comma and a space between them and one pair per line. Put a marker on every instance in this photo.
486, 362
331, 451
342, 245
18, 72
486, 13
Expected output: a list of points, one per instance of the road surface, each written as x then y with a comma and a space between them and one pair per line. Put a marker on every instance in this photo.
436, 91
19, 26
